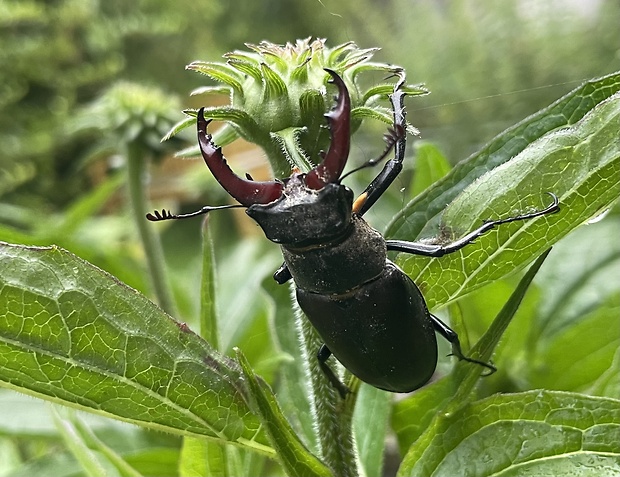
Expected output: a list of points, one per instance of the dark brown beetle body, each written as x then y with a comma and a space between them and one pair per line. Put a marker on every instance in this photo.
371, 315
363, 306
359, 328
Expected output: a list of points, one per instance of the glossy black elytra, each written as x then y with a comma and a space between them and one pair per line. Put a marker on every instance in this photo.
371, 315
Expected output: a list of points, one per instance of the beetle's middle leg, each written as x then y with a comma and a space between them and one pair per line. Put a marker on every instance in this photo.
432, 250
322, 356
453, 338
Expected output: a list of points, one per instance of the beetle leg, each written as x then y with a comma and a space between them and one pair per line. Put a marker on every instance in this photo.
393, 167
282, 274
430, 250
323, 354
450, 335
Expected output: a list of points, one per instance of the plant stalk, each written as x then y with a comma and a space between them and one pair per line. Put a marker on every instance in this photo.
136, 165
333, 415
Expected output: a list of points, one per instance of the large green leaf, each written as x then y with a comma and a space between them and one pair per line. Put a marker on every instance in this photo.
579, 312
538, 433
423, 213
413, 415
580, 163
72, 334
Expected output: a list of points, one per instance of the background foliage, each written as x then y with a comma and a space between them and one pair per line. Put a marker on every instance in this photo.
488, 65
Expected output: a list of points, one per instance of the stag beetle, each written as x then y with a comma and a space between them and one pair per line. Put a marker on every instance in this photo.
369, 313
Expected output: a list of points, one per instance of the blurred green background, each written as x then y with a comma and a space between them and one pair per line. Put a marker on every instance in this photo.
487, 65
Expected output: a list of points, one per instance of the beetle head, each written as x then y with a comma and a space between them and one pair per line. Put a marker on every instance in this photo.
304, 208
302, 216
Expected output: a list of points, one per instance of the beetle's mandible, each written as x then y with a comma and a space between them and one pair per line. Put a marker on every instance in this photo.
371, 315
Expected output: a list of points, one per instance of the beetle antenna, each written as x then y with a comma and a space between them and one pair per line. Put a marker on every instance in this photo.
393, 135
158, 216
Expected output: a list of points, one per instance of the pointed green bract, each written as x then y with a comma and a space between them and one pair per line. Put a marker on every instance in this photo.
293, 455
284, 87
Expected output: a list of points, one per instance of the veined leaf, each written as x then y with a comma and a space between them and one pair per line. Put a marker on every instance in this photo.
579, 163
540, 433
413, 415
72, 334
293, 454
424, 211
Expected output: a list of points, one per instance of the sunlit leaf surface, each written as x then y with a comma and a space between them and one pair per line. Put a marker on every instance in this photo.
71, 333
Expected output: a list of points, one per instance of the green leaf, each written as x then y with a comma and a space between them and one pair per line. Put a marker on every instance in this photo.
379, 114
578, 277
92, 463
363, 112
232, 114
467, 374
84, 208
292, 385
373, 406
213, 90
383, 90
202, 458
579, 312
413, 417
250, 68
568, 110
85, 434
591, 352
293, 454
208, 310
430, 166
180, 126
579, 163
74, 335
542, 433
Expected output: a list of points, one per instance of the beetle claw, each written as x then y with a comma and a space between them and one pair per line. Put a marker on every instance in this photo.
491, 369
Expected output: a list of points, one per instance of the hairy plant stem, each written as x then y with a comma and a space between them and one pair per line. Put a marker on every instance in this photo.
136, 165
333, 415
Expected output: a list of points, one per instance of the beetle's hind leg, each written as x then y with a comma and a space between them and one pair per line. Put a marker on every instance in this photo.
453, 338
322, 356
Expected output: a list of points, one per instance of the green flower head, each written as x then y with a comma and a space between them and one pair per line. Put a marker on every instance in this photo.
279, 95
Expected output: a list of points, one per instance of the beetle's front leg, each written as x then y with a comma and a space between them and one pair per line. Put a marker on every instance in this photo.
453, 338
392, 168
323, 354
